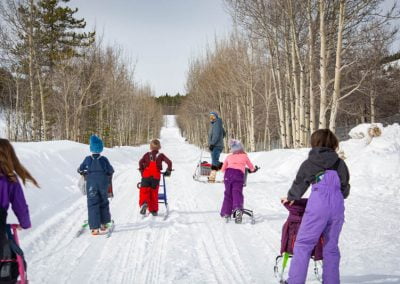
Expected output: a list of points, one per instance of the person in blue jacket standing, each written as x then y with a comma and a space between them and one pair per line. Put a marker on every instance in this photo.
216, 136
98, 172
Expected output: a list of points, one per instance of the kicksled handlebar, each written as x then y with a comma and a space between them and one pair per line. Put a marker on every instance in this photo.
164, 174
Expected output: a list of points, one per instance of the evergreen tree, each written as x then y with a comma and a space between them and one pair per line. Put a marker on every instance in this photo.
58, 31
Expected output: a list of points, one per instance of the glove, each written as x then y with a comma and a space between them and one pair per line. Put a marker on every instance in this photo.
211, 147
167, 173
256, 168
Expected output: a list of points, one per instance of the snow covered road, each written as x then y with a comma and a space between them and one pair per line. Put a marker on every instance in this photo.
194, 245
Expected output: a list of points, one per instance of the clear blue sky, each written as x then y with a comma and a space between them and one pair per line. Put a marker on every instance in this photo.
160, 35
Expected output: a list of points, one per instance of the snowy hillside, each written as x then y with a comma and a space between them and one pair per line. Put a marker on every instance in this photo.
193, 245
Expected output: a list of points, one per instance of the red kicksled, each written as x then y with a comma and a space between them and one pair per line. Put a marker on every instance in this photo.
12, 262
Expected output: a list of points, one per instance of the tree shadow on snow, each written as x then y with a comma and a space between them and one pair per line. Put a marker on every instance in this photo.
372, 278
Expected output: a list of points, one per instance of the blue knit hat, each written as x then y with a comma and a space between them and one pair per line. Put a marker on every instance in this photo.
235, 146
96, 145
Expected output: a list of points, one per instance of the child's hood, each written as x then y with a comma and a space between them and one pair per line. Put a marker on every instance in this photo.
323, 157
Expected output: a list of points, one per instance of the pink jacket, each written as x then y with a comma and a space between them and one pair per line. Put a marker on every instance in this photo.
237, 161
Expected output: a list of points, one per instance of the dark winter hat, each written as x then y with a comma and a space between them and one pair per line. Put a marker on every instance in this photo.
214, 114
96, 145
235, 146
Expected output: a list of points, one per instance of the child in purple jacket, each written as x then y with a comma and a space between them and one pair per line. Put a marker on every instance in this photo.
10, 188
324, 214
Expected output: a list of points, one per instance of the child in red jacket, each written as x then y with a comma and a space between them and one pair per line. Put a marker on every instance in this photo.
150, 167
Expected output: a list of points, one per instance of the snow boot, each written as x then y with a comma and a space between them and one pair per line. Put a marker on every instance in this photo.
238, 216
154, 213
103, 228
212, 176
143, 208
95, 232
227, 218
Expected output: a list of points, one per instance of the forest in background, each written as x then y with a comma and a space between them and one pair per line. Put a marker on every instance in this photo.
288, 68
291, 67
58, 81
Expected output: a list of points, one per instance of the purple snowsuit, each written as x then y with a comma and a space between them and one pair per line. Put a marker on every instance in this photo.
233, 195
11, 192
324, 215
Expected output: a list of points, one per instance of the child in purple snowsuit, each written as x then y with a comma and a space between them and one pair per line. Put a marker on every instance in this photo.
234, 167
324, 213
10, 188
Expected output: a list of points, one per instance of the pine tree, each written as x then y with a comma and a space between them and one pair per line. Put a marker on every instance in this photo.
49, 35
59, 34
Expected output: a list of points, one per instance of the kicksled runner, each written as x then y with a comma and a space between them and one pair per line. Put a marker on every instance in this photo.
289, 233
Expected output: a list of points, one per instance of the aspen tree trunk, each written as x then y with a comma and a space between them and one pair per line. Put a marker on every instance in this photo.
311, 68
296, 98
17, 114
31, 72
279, 103
297, 89
289, 110
238, 117
372, 106
323, 66
42, 106
251, 112
338, 67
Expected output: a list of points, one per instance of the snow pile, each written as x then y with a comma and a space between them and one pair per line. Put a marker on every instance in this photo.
193, 244
361, 130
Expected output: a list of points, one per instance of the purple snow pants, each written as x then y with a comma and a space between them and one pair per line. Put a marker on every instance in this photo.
233, 196
324, 215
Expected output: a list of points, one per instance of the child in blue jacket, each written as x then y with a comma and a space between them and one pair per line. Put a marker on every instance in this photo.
98, 173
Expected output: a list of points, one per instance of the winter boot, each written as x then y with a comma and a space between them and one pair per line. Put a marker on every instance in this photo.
213, 175
220, 165
143, 208
238, 216
103, 228
154, 213
95, 232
